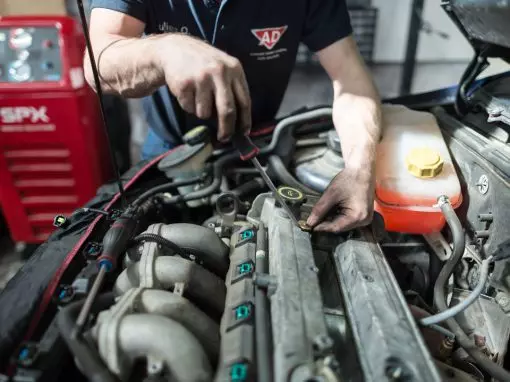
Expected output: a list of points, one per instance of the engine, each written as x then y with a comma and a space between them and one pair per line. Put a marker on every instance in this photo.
214, 282
247, 297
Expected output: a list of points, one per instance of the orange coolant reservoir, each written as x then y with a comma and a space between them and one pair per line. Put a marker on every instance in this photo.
413, 169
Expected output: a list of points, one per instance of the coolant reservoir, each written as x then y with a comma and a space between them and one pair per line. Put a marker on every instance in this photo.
413, 169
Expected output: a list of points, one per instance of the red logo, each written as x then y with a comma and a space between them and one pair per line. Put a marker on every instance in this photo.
269, 37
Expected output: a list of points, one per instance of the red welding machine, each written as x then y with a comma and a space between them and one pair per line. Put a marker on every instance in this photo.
53, 154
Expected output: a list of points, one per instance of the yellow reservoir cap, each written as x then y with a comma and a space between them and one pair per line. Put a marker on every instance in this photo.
424, 162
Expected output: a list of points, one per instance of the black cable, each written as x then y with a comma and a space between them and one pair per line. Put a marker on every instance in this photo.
87, 209
99, 91
150, 237
163, 188
463, 340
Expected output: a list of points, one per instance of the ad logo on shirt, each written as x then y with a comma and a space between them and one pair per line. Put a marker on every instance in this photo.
269, 37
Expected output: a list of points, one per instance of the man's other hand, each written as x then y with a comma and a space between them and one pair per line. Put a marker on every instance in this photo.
347, 203
205, 79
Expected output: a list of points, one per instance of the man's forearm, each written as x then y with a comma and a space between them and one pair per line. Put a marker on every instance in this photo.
127, 66
357, 119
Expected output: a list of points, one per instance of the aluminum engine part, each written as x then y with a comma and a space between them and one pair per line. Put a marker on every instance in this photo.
316, 167
389, 343
300, 337
165, 272
154, 270
177, 338
124, 334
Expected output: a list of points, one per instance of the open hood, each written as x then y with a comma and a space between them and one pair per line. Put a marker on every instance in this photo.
484, 22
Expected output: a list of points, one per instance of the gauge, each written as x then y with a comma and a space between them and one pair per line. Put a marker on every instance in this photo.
20, 71
20, 39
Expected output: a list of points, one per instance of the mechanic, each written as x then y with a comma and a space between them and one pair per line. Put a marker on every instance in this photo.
227, 63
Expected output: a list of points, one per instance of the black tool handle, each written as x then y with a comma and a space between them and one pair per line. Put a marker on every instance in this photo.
245, 146
116, 239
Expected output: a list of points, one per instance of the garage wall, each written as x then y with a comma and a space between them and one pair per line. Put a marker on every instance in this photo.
393, 28
27, 7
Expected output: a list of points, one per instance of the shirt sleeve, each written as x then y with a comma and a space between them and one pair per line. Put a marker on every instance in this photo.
135, 8
327, 21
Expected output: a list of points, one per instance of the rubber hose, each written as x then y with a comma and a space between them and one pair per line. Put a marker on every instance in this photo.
165, 187
255, 184
285, 177
294, 120
88, 359
463, 340
473, 296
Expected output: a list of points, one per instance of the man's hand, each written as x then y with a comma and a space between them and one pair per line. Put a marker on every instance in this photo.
205, 79
347, 202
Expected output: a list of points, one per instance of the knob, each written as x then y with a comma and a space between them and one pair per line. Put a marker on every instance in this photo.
197, 135
47, 44
47, 65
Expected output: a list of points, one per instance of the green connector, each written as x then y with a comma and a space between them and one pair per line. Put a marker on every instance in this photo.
242, 312
245, 268
247, 234
238, 372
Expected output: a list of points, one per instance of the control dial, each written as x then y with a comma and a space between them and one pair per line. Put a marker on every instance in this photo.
20, 71
20, 39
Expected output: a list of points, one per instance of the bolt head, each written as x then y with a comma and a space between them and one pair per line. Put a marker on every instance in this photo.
483, 184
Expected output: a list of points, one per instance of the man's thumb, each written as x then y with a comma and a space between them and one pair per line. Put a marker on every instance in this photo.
320, 210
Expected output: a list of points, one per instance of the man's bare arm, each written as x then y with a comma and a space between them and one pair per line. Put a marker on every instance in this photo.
357, 119
356, 105
127, 63
203, 78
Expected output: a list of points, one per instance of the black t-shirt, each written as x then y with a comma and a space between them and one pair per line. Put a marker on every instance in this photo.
263, 34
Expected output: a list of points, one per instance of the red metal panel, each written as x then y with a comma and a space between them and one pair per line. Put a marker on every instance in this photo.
53, 155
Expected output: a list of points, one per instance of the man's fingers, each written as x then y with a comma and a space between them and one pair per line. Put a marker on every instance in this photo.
187, 100
225, 107
340, 224
321, 208
242, 94
204, 100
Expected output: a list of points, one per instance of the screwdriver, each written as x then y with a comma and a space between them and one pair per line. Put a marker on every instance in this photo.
114, 243
248, 151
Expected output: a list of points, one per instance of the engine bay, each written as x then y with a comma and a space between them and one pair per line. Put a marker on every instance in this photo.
213, 282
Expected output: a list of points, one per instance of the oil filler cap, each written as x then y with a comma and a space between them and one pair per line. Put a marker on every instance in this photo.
291, 195
424, 163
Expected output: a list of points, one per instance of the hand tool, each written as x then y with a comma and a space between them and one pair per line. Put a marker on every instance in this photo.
114, 243
248, 151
